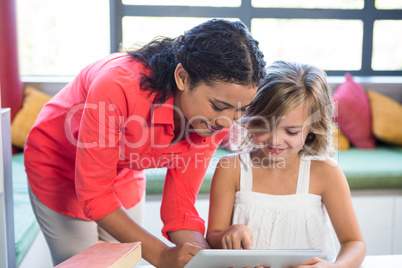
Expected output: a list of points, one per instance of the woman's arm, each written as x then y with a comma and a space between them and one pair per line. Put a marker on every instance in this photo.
188, 236
182, 223
225, 183
122, 227
337, 199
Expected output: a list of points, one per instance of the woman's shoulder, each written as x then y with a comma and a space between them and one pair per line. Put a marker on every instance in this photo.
117, 77
122, 64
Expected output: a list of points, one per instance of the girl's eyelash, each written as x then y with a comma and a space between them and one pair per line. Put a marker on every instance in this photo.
292, 133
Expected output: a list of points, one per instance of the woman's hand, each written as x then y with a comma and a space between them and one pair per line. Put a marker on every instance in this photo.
317, 263
237, 236
178, 256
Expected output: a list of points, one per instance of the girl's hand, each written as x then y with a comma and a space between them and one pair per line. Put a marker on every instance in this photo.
237, 236
178, 256
317, 263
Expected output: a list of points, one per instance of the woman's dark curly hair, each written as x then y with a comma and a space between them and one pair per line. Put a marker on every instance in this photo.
217, 50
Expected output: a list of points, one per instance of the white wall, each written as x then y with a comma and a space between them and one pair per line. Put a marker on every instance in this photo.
380, 218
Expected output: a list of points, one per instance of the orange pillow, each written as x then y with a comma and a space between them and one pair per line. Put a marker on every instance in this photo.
339, 140
26, 116
386, 118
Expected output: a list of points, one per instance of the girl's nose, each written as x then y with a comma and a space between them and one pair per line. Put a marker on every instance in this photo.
275, 138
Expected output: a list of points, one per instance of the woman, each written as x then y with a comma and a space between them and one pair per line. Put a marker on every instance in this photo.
168, 104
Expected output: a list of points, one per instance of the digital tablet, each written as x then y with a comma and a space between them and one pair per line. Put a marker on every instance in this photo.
236, 258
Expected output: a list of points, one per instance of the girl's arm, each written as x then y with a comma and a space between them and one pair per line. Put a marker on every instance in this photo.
225, 183
337, 199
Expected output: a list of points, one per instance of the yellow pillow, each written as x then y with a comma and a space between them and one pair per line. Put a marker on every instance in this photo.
339, 139
386, 117
26, 116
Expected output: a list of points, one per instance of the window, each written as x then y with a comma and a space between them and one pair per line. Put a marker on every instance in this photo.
61, 37
140, 30
386, 38
362, 37
320, 42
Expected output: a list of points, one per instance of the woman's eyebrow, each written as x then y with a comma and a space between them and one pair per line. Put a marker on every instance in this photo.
230, 105
224, 103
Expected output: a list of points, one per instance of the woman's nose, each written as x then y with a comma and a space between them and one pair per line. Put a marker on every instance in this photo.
224, 121
237, 114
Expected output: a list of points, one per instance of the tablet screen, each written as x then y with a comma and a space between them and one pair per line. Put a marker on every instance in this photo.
275, 258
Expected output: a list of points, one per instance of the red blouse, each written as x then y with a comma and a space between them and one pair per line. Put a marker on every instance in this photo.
86, 154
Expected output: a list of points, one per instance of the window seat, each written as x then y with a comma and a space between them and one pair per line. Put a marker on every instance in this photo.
378, 169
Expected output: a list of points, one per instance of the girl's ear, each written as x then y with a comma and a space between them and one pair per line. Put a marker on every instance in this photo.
181, 77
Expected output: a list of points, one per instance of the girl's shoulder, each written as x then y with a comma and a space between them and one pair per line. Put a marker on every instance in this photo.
325, 174
324, 164
227, 172
230, 161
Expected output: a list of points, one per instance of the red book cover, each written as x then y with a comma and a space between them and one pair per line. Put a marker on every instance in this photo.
106, 254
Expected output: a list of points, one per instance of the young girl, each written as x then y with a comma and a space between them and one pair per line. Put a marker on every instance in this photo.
277, 195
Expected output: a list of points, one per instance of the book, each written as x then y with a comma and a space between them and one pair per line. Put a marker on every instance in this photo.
105, 254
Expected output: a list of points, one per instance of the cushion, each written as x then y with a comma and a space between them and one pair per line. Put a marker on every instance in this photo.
26, 116
372, 169
353, 113
386, 118
339, 140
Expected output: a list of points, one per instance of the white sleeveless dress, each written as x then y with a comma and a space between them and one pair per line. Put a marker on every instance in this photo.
296, 221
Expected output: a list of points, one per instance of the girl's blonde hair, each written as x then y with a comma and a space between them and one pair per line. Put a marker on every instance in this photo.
287, 86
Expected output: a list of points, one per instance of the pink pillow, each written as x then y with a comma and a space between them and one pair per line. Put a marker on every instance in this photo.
353, 114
